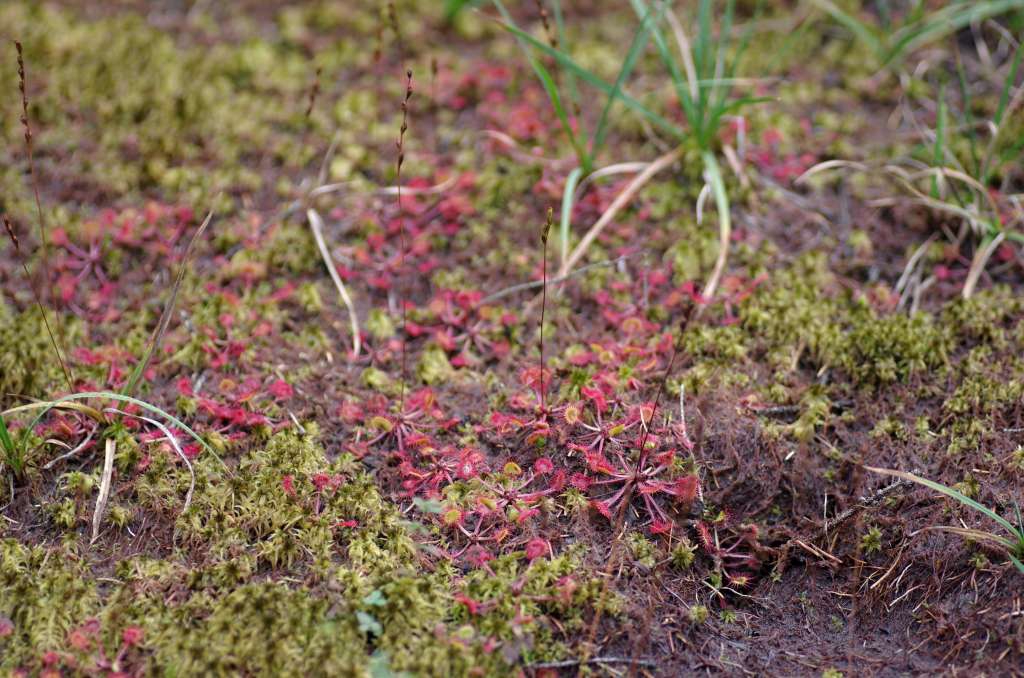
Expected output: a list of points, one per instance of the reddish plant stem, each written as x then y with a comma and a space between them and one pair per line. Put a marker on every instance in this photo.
314, 91
677, 345
615, 552
546, 23
42, 224
396, 28
401, 225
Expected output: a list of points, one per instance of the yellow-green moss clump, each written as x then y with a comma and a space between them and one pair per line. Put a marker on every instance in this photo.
28, 363
359, 591
799, 317
127, 106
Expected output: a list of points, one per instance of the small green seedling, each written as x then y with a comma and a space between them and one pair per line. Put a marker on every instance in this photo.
1014, 545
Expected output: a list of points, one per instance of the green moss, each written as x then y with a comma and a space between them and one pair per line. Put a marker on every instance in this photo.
885, 350
433, 367
871, 541
797, 312
683, 554
257, 629
149, 113
44, 596
644, 551
815, 409
352, 590
28, 363
889, 427
291, 249
379, 324
799, 317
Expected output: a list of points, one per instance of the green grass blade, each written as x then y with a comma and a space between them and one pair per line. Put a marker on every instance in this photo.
732, 107
1004, 100
703, 46
596, 81
12, 455
563, 39
1004, 97
636, 48
548, 82
949, 492
679, 82
942, 23
1017, 562
565, 225
719, 91
120, 397
741, 49
974, 535
703, 50
861, 30
967, 116
5, 438
714, 179
165, 317
784, 52
939, 152
453, 7
582, 155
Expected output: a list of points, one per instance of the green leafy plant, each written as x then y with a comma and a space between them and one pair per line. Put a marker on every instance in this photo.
702, 72
891, 39
1013, 545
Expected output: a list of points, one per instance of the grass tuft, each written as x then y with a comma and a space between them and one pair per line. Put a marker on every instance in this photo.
1014, 545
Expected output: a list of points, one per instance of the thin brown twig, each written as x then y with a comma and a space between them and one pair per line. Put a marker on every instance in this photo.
521, 287
546, 23
396, 29
664, 379
864, 503
35, 295
568, 663
316, 225
165, 316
